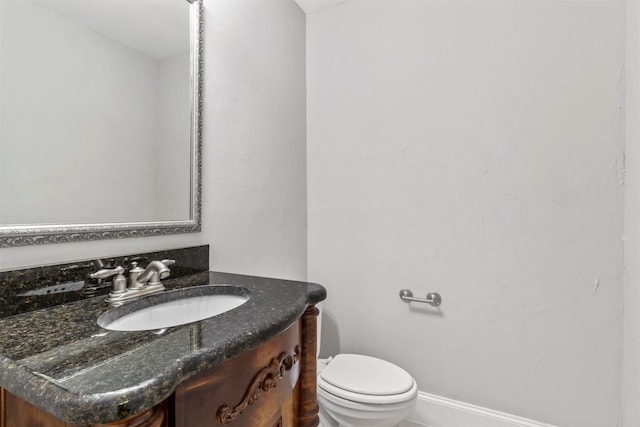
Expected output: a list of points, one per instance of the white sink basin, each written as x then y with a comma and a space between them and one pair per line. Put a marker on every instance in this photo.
173, 308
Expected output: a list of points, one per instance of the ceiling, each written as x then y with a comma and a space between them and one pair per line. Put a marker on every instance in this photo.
156, 28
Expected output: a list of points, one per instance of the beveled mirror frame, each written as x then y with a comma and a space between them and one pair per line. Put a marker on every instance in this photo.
23, 235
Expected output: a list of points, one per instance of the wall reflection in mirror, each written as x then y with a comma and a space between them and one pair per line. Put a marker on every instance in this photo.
97, 106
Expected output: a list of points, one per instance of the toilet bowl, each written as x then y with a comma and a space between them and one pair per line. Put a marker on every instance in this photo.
357, 390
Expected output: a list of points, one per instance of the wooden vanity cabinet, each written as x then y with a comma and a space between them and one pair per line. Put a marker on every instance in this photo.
16, 412
273, 385
254, 389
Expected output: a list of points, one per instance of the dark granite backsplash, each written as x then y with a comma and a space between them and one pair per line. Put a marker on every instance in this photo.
15, 282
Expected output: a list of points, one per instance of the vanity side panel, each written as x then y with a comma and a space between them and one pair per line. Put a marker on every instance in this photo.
243, 384
308, 408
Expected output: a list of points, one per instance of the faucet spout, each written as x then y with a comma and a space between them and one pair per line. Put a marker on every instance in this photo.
155, 271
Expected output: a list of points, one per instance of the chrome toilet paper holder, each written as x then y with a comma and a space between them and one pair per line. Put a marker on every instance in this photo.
433, 298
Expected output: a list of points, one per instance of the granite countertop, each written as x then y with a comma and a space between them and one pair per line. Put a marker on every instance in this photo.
60, 360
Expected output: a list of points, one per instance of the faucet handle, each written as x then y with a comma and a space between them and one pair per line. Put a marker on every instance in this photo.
119, 282
168, 262
106, 272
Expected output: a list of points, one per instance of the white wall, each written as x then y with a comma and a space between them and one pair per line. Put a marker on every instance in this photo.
475, 149
255, 137
254, 183
631, 319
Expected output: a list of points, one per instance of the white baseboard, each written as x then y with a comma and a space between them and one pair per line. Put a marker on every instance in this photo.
436, 411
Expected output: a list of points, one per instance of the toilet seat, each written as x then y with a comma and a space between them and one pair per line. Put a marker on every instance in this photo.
366, 379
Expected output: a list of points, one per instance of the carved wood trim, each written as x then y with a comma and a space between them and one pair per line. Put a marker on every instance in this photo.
266, 379
308, 399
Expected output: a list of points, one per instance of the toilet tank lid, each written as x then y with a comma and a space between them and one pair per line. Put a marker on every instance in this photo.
366, 375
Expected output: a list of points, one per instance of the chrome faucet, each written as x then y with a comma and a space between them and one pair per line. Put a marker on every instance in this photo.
155, 271
141, 282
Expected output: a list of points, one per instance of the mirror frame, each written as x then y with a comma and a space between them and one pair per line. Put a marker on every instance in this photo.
23, 235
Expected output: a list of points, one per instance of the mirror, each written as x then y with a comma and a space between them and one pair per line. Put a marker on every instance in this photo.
100, 130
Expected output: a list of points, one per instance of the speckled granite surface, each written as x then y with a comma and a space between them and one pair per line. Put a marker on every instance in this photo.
15, 285
60, 360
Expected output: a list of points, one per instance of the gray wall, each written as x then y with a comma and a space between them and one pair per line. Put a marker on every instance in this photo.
631, 318
476, 149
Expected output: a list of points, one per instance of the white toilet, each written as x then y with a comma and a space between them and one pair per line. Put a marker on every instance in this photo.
356, 390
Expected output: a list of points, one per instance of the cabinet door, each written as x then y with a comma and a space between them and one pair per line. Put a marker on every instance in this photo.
254, 389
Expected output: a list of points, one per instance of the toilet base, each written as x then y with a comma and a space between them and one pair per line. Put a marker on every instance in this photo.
327, 421
335, 412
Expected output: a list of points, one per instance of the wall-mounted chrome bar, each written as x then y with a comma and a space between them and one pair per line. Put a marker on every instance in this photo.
432, 298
